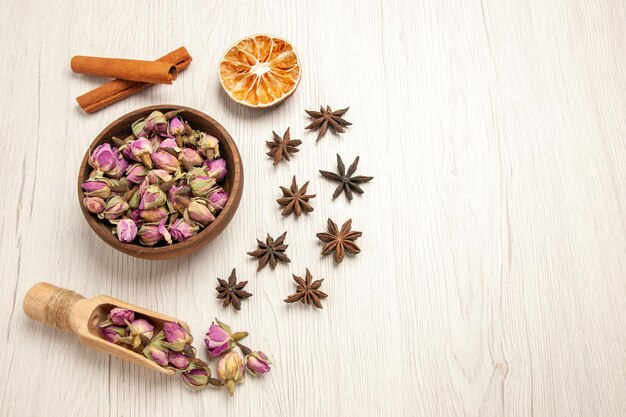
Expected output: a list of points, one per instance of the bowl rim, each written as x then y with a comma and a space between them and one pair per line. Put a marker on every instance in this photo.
194, 242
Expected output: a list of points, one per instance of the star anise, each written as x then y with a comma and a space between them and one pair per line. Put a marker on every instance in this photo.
232, 292
347, 183
339, 241
327, 118
307, 292
271, 251
295, 199
282, 147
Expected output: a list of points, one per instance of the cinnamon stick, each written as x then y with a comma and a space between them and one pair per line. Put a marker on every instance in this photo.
118, 89
126, 69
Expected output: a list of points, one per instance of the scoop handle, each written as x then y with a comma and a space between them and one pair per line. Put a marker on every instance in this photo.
50, 304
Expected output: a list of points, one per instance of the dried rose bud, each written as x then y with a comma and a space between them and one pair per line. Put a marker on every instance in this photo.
154, 215
216, 168
95, 205
201, 185
178, 359
136, 173
158, 177
118, 170
257, 362
230, 369
141, 150
182, 230
157, 353
115, 207
137, 127
152, 198
178, 198
156, 123
176, 126
138, 330
165, 161
191, 157
126, 230
177, 336
168, 143
197, 377
217, 199
149, 234
209, 146
96, 188
218, 340
199, 211
121, 315
113, 333
104, 158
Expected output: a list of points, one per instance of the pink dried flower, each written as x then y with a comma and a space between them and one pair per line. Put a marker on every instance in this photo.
126, 230
95, 205
216, 168
165, 161
182, 230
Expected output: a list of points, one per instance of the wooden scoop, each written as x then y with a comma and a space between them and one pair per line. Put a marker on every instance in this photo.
69, 311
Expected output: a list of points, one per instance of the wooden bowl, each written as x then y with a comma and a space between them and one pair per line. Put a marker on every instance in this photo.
233, 184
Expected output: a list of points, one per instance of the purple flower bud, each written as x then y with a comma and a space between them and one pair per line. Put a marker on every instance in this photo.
113, 333
158, 177
152, 198
181, 230
168, 143
201, 185
155, 353
149, 234
96, 188
178, 359
140, 327
115, 207
176, 126
217, 340
126, 230
120, 167
175, 333
178, 198
136, 173
121, 315
156, 123
257, 362
141, 150
165, 161
216, 168
218, 199
136, 216
95, 205
104, 158
209, 146
154, 215
196, 378
199, 212
230, 369
190, 157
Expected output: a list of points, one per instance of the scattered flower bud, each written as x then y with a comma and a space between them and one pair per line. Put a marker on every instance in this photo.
209, 146
115, 207
230, 369
152, 198
191, 157
104, 158
95, 205
149, 234
126, 230
156, 353
137, 330
257, 362
178, 359
182, 230
141, 150
176, 335
218, 199
217, 340
158, 177
165, 161
216, 168
178, 198
119, 169
137, 173
156, 123
200, 212
113, 333
121, 315
201, 185
176, 126
96, 188
197, 377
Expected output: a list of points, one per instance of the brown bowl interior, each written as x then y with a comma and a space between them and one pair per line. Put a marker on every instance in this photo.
233, 184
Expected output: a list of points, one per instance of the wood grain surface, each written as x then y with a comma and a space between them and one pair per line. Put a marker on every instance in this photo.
491, 280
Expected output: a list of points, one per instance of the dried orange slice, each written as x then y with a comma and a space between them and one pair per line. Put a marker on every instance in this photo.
260, 71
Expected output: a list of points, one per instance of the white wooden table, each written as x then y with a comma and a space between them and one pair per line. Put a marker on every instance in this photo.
492, 275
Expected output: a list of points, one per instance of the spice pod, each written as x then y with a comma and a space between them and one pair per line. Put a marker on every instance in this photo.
69, 311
